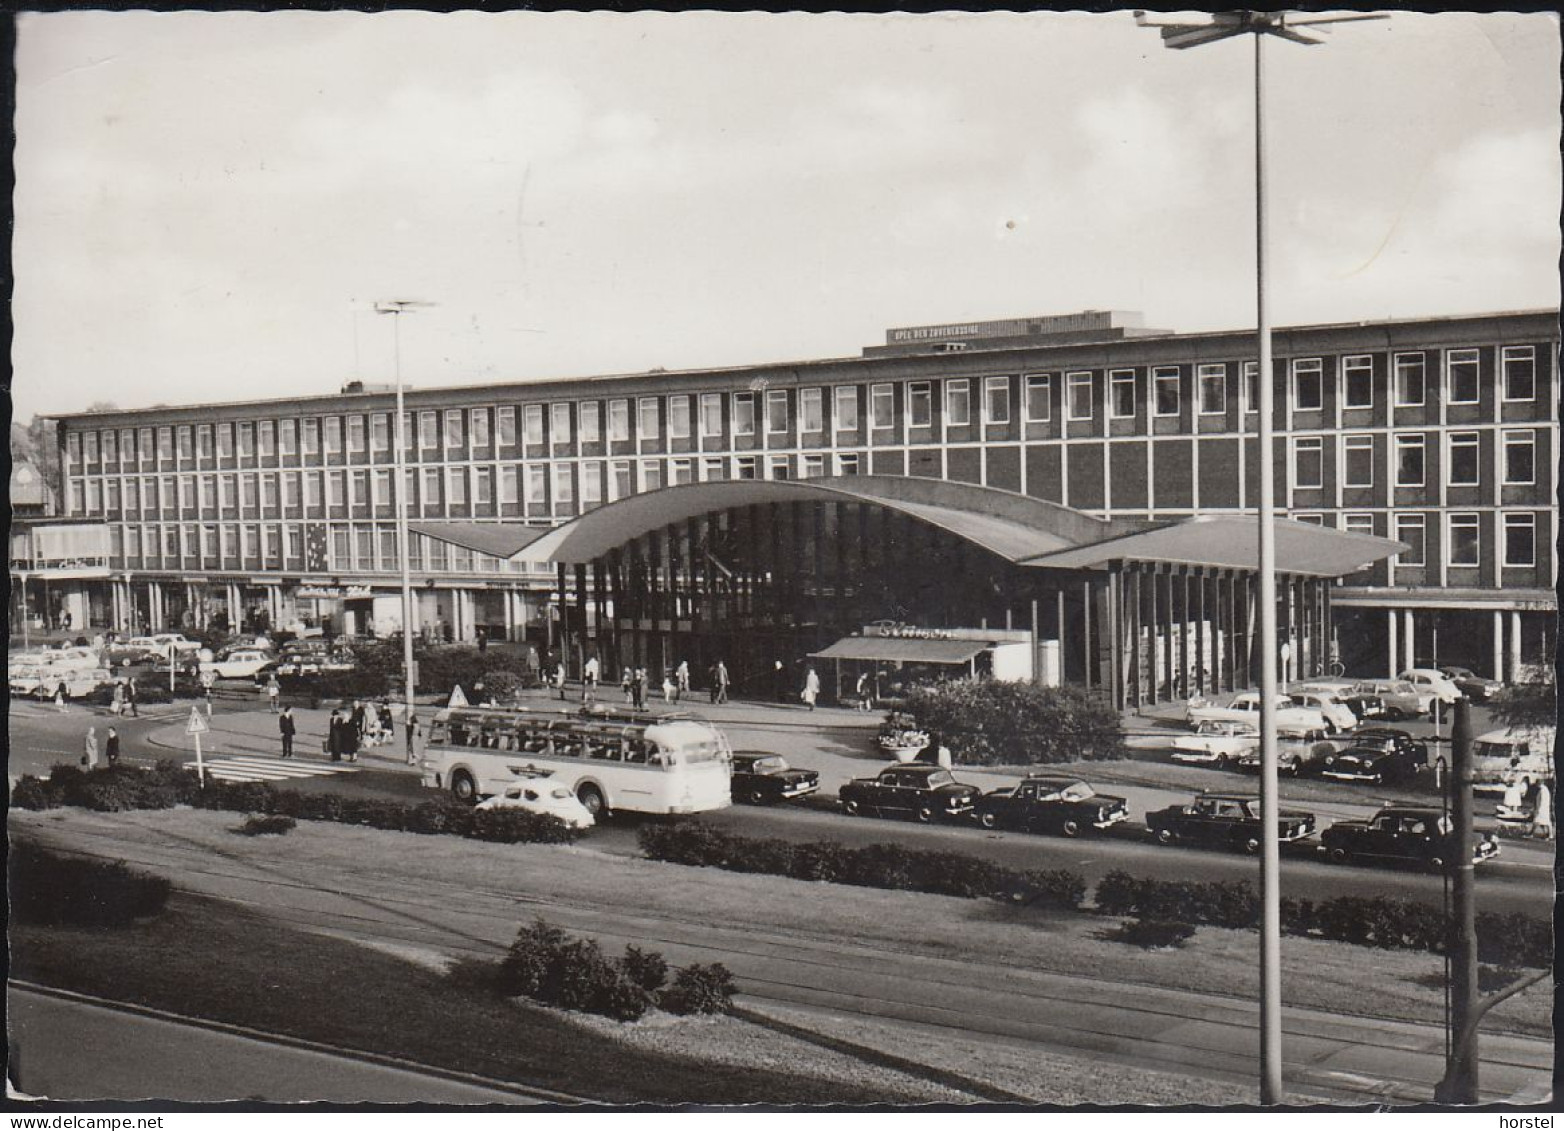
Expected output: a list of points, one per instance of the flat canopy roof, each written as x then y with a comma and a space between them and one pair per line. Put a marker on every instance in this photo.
898, 649
497, 539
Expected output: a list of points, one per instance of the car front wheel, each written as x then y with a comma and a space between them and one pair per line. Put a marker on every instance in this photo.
989, 819
1339, 856
1166, 836
925, 813
757, 797
1250, 845
1071, 828
851, 808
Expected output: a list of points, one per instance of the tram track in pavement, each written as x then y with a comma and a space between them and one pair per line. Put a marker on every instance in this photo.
1028, 1008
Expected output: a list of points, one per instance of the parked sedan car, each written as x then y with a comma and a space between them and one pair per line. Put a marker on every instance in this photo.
1216, 742
1401, 833
763, 779
1302, 722
1470, 684
1224, 820
1400, 700
1380, 764
135, 650
1063, 805
241, 663
542, 797
927, 792
1338, 716
1294, 759
1413, 750
175, 640
313, 657
46, 682
1431, 684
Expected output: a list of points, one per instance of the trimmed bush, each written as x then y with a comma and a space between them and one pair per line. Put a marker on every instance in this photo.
993, 722
549, 966
700, 989
1516, 939
48, 888
891, 866
266, 825
646, 968
1152, 934
1225, 904
30, 793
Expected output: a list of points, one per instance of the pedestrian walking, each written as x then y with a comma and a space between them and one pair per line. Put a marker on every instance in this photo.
627, 684
273, 692
811, 690
720, 684
412, 736
670, 688
89, 749
334, 736
559, 679
117, 702
207, 679
483, 640
1542, 813
639, 687
59, 698
681, 676
350, 738
865, 692
130, 698
779, 681
111, 747
287, 729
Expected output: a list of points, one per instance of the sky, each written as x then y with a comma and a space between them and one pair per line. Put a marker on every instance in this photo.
208, 205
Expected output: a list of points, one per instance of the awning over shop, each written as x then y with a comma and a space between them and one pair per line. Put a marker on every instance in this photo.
900, 649
497, 539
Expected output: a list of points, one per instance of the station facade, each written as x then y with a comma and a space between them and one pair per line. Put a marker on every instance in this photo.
1440, 434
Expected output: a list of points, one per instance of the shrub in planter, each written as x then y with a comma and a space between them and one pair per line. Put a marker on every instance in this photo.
1152, 934
511, 826
768, 856
685, 842
271, 824
700, 988
31, 793
48, 888
990, 722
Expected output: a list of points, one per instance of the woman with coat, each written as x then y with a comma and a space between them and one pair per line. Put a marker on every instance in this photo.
89, 752
811, 690
334, 736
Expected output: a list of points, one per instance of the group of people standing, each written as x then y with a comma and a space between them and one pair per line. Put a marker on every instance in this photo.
367, 724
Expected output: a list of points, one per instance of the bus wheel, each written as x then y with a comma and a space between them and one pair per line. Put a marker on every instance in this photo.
463, 788
591, 799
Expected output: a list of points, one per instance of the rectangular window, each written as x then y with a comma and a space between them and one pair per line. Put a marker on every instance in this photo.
336, 488
714, 470
1078, 396
1411, 386
679, 418
483, 486
363, 548
882, 406
505, 425
454, 437
559, 422
1461, 459
478, 426
1121, 393
291, 490
266, 438
1308, 391
1462, 376
269, 491
1464, 545
288, 437
711, 414
1358, 523
203, 437
564, 486
1520, 458
618, 421
127, 444
1166, 392
78, 496
1310, 519
165, 444
847, 464
846, 408
355, 436
591, 483
683, 471
1520, 540
779, 467
249, 493
184, 439
312, 490
1409, 461
646, 421
110, 448
111, 496
380, 432
144, 444
814, 467
1251, 388
996, 400
73, 450
743, 414
431, 495
1039, 398
1211, 380
811, 410
1520, 373
95, 495
776, 410
651, 475
532, 424
510, 484
311, 439
331, 430
1358, 461
958, 406
746, 467
1357, 381
619, 484
228, 489
428, 430
920, 405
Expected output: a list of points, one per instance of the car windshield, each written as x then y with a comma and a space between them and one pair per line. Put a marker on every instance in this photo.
940, 777
771, 765
1077, 791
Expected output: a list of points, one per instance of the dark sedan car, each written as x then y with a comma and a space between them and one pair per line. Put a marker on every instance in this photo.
1472, 685
1400, 834
1224, 820
926, 792
763, 779
1380, 763
1063, 805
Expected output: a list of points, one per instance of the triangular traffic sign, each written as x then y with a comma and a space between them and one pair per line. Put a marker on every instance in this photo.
457, 698
196, 725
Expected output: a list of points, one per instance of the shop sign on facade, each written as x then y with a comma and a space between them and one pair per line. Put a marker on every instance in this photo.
335, 592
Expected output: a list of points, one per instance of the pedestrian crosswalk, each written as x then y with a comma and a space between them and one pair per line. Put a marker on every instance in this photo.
243, 767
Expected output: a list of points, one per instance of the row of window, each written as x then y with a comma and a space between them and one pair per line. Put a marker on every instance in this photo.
587, 422
368, 547
1462, 541
1462, 462
249, 493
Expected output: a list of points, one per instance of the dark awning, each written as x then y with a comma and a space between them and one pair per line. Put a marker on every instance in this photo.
893, 648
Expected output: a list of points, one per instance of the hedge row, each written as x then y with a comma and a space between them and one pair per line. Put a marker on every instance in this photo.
549, 966
48, 888
1515, 939
877, 865
993, 722
170, 783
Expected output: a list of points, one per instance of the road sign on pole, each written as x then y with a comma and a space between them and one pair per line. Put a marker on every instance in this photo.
196, 727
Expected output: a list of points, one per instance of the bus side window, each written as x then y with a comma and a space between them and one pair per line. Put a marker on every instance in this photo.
491, 740
635, 751
436, 734
458, 735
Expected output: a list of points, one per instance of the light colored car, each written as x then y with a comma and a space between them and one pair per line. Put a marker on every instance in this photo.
1519, 754
176, 640
1431, 684
1291, 719
135, 650
1293, 759
76, 657
1216, 742
45, 682
241, 663
1399, 697
542, 797
1338, 716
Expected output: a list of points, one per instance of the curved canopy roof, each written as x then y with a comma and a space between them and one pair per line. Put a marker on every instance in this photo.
1013, 526
1018, 528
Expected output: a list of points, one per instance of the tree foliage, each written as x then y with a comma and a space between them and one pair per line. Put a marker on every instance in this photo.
1529, 705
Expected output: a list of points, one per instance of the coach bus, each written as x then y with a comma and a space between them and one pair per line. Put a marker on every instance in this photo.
649, 765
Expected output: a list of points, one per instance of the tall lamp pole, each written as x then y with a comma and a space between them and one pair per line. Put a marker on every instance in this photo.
1177, 35
396, 308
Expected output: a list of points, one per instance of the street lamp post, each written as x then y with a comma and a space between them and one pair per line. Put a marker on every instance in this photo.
396, 308
1177, 35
